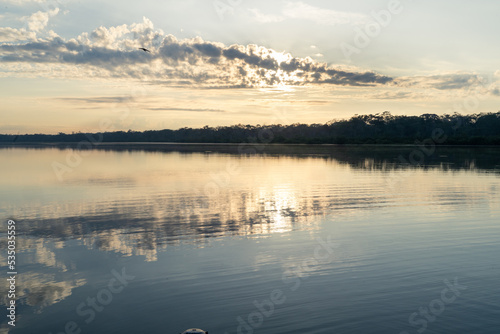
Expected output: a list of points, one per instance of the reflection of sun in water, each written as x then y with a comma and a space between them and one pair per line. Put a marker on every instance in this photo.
280, 203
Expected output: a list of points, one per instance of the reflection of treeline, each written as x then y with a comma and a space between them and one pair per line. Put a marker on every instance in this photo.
475, 129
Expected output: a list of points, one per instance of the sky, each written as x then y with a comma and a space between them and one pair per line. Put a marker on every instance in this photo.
69, 66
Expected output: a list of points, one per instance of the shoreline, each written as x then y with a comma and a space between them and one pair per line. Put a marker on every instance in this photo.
103, 144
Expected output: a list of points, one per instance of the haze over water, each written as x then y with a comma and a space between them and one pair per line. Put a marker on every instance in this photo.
208, 237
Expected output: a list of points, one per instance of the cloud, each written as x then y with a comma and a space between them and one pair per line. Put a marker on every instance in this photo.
39, 20
128, 99
265, 18
300, 10
113, 53
494, 89
33, 24
455, 81
445, 81
99, 100
397, 95
22, 2
8, 34
187, 109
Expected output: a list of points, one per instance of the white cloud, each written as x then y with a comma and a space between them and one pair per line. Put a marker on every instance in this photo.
265, 18
398, 95
39, 20
8, 34
113, 53
22, 2
105, 37
300, 10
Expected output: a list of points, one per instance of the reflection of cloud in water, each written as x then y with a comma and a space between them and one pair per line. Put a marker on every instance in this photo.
40, 290
273, 194
128, 244
42, 287
140, 204
43, 255
144, 227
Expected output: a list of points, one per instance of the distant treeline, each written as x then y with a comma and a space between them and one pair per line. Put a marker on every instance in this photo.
456, 129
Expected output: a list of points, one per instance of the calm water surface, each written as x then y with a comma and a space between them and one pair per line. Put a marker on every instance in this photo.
291, 239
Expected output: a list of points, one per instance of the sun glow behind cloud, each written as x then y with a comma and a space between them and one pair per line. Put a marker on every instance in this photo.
113, 53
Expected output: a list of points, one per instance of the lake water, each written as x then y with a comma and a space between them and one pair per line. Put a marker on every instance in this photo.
280, 239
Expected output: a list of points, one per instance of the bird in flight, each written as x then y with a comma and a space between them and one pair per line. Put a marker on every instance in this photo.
145, 50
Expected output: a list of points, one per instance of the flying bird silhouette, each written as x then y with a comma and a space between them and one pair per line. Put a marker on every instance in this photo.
145, 50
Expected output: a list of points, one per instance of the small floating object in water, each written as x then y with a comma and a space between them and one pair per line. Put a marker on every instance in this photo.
194, 331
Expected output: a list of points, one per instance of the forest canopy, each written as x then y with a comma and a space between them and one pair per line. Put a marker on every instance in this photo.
382, 128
